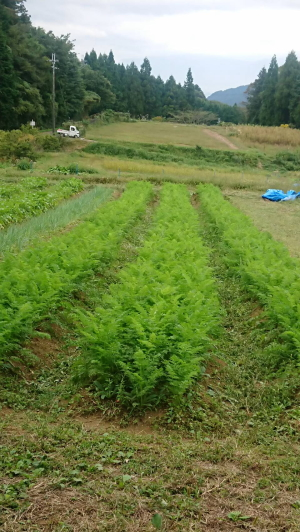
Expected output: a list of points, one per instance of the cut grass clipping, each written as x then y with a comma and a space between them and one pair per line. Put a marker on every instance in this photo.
33, 282
16, 237
264, 265
152, 335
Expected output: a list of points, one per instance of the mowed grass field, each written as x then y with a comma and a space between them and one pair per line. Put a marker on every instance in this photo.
198, 429
281, 220
156, 132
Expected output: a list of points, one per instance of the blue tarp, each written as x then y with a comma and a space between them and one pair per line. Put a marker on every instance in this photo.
278, 195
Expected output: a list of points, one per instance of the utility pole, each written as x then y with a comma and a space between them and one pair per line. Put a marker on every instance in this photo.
53, 61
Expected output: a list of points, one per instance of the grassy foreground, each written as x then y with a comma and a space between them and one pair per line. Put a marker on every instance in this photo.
225, 459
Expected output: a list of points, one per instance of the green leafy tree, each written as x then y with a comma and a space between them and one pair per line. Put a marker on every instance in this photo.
8, 86
92, 60
96, 83
91, 101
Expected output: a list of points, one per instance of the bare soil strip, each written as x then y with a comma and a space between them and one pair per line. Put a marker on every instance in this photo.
220, 138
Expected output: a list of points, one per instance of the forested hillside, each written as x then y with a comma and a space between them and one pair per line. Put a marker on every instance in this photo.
236, 96
274, 97
85, 87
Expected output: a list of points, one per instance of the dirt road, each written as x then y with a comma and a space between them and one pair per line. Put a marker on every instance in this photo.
220, 138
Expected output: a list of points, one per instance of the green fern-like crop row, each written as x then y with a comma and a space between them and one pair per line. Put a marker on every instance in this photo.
152, 335
34, 280
29, 198
264, 265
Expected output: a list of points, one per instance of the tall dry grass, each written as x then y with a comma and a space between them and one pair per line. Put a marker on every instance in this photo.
278, 136
122, 171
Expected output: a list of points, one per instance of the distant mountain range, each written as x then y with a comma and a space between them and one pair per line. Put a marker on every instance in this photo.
231, 96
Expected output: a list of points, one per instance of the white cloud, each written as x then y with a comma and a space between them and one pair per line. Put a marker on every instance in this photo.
167, 30
258, 30
170, 6
251, 33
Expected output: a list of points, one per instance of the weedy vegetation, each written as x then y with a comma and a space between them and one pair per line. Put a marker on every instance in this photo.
29, 199
197, 156
16, 237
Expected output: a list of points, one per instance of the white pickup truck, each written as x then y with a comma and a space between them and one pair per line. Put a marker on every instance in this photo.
72, 132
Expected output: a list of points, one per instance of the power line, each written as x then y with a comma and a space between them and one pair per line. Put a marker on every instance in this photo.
53, 61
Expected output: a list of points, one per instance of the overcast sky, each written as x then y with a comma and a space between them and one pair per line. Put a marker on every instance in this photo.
225, 42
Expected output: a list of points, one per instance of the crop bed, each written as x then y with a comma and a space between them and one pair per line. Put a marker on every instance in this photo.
33, 281
152, 335
263, 265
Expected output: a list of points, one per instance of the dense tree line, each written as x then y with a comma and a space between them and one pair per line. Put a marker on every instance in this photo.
25, 71
84, 87
138, 92
274, 97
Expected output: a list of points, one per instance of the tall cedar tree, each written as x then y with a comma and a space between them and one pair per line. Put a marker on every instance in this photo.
149, 88
288, 92
274, 97
190, 89
268, 111
255, 92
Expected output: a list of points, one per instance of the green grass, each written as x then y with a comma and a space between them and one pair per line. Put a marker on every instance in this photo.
16, 237
281, 220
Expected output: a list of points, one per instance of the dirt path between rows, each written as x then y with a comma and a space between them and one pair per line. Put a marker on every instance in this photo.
216, 136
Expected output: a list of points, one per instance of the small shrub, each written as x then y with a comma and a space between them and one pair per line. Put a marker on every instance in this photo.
23, 149
17, 144
24, 165
50, 143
